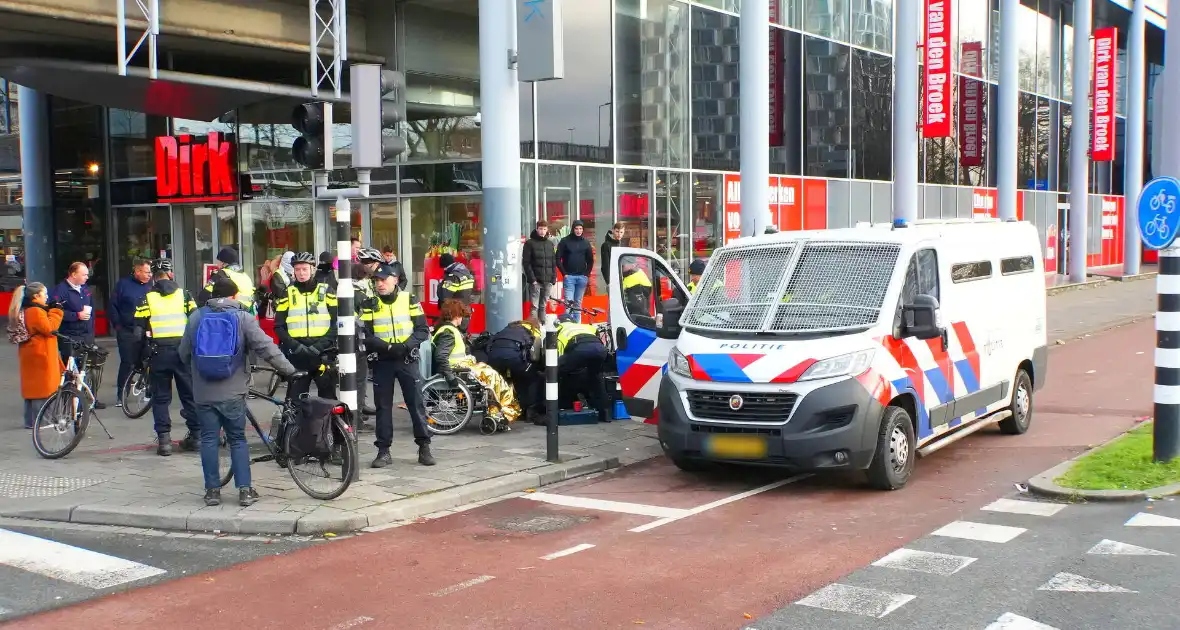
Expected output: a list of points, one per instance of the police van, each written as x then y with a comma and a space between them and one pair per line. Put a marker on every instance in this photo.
844, 349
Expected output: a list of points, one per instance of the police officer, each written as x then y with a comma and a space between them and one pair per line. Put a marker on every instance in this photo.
394, 328
578, 349
637, 289
695, 269
368, 259
163, 314
458, 283
513, 352
305, 323
231, 269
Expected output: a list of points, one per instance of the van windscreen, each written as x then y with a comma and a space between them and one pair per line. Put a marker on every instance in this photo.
794, 287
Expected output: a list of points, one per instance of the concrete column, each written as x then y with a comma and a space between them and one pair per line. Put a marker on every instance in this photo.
500, 131
1007, 123
905, 111
1169, 161
754, 70
1079, 147
36, 185
1136, 123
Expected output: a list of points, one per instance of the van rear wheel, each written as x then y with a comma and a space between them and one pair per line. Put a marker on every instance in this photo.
893, 459
1021, 408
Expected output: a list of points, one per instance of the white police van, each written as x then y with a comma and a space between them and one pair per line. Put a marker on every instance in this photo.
858, 348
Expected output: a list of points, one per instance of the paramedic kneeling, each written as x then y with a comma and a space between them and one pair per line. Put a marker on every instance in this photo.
580, 349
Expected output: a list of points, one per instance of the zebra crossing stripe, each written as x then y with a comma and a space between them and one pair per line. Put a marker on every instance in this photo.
67, 563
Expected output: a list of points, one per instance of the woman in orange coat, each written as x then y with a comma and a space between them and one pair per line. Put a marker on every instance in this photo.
40, 362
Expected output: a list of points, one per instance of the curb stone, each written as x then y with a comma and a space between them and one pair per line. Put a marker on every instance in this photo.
1043, 484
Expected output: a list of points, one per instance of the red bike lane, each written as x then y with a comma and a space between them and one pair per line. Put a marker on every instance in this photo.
723, 545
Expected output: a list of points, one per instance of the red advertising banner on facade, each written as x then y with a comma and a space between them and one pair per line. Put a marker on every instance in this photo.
794, 204
732, 207
971, 91
1105, 71
936, 94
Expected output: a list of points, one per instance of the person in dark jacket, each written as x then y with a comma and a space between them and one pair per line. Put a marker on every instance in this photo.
613, 238
128, 294
326, 270
575, 260
77, 303
539, 259
515, 353
458, 282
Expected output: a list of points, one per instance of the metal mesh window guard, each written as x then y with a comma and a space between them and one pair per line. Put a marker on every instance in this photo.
740, 288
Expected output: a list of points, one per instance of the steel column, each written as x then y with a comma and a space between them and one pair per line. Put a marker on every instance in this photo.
1136, 124
905, 111
36, 185
1008, 126
754, 71
1079, 146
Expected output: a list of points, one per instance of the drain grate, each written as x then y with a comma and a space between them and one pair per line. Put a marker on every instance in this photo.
540, 522
13, 486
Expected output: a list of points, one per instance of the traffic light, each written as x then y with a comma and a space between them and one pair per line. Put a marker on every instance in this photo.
378, 102
313, 149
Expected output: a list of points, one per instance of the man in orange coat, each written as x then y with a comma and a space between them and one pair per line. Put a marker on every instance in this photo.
40, 363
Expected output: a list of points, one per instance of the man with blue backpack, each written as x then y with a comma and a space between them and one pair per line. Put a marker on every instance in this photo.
215, 343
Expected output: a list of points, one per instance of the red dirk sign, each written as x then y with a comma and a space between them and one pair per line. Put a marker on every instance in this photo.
1105, 71
936, 48
196, 168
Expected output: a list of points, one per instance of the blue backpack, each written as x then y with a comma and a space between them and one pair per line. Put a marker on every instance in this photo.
216, 350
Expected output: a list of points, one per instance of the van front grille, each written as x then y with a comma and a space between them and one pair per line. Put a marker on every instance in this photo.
755, 407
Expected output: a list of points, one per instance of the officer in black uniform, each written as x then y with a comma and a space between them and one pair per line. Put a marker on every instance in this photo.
580, 350
513, 352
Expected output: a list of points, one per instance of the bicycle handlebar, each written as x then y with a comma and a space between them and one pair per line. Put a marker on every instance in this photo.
85, 347
584, 309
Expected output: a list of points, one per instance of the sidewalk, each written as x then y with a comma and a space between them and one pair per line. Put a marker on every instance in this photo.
122, 481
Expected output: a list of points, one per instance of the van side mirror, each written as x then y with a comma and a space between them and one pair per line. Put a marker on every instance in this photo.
668, 319
920, 317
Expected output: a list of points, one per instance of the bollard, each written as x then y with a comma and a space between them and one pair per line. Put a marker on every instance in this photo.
551, 402
346, 358
1166, 430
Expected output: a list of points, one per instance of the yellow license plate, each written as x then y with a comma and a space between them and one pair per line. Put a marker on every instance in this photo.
737, 446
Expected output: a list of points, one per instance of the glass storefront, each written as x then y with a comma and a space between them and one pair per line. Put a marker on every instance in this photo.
440, 225
273, 227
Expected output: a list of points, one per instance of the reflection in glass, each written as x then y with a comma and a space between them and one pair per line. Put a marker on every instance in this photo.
1042, 151
716, 126
528, 197
557, 197
872, 116
826, 86
384, 226
453, 222
1067, 54
634, 201
1027, 53
597, 212
707, 229
141, 234
574, 115
1045, 61
418, 179
652, 82
827, 18
787, 13
267, 147
672, 199
133, 142
786, 106
444, 138
1063, 147
1026, 144
972, 21
872, 24
273, 227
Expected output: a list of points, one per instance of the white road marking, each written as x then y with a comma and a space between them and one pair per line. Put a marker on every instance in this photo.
606, 506
1143, 519
4, 611
1116, 548
979, 531
924, 562
1009, 621
720, 502
454, 588
1072, 583
568, 552
1034, 508
69, 564
856, 600
351, 623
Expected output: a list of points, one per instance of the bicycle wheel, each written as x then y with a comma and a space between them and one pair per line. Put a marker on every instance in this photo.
61, 424
137, 397
448, 407
273, 385
334, 470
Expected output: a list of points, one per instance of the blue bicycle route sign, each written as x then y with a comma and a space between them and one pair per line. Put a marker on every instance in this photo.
1158, 217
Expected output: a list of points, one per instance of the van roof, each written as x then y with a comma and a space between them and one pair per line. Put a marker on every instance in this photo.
916, 231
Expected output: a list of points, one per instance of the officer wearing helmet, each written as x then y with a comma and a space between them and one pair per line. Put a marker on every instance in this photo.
368, 259
305, 323
230, 269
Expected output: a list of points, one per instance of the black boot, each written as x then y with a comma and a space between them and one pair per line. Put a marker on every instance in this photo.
383, 459
424, 456
213, 497
247, 497
190, 442
164, 444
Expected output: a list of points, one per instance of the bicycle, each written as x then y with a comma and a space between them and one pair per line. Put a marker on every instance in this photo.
137, 391
1158, 224
603, 328
272, 384
72, 405
278, 443
1163, 199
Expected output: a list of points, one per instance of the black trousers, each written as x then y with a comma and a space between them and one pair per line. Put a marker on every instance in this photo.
385, 373
588, 358
526, 383
128, 358
166, 370
325, 385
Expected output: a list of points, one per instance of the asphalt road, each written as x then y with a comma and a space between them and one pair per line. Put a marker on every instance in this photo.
654, 547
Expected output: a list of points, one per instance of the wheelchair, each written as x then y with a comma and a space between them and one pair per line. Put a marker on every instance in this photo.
450, 405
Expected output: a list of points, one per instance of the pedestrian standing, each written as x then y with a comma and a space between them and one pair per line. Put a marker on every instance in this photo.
387, 255
160, 320
32, 324
575, 261
613, 238
126, 298
77, 303
214, 347
539, 259
394, 328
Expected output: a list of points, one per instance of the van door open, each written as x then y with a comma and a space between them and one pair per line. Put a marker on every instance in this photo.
643, 329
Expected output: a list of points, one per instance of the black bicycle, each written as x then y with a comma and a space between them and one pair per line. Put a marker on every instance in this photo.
342, 454
603, 328
137, 391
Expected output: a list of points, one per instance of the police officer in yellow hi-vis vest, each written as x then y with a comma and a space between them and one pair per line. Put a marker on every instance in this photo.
450, 354
163, 314
305, 323
394, 328
636, 288
369, 258
230, 268
580, 350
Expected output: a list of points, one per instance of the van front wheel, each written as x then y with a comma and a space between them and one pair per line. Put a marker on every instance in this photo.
1021, 418
893, 460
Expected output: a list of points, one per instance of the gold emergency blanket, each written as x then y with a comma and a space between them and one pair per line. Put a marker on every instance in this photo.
501, 391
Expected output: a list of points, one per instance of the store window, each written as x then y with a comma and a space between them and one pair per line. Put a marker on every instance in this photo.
1063, 147
1026, 144
651, 75
786, 108
1026, 25
596, 210
1047, 84
872, 24
707, 228
384, 226
444, 138
827, 18
438, 225
634, 202
141, 234
826, 149
716, 126
557, 197
672, 209
12, 244
80, 211
787, 13
528, 197
133, 142
574, 119
270, 228
972, 21
872, 116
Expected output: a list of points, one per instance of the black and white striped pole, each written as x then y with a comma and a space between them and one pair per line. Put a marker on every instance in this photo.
1166, 429
346, 317
551, 403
